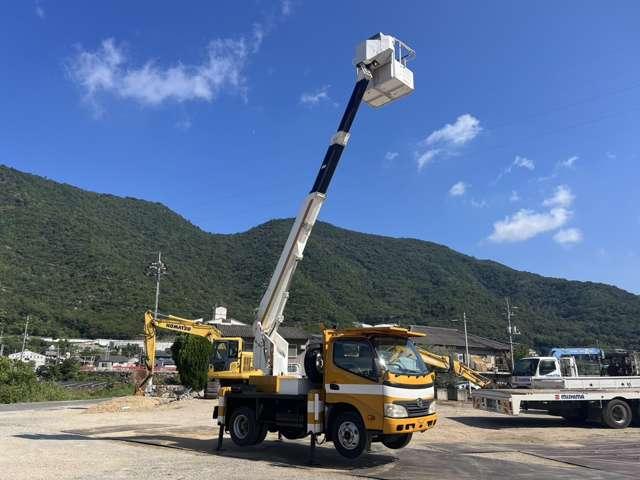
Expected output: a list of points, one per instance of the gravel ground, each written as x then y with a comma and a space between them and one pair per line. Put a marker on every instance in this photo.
85, 442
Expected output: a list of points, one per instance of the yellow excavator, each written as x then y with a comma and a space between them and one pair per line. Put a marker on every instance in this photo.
229, 362
449, 364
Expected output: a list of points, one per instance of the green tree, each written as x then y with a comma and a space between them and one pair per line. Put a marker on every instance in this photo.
191, 355
69, 369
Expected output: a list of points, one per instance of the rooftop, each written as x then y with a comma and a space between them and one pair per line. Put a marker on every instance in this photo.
246, 331
454, 337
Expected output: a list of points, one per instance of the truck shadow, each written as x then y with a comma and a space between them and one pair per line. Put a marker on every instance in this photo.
275, 452
500, 423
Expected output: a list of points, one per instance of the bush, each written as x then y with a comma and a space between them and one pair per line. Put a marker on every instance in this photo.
19, 383
191, 355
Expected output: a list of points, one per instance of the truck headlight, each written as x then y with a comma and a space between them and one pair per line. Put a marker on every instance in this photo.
392, 410
432, 407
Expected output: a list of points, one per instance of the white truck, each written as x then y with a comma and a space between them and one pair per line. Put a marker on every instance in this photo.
552, 385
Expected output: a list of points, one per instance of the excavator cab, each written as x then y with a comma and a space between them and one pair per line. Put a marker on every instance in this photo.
225, 352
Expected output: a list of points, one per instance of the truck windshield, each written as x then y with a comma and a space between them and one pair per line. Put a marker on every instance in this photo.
399, 356
526, 367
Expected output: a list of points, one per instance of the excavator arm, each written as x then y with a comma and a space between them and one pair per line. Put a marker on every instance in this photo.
176, 324
453, 366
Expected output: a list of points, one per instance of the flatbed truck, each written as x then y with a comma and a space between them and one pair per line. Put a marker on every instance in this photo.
553, 386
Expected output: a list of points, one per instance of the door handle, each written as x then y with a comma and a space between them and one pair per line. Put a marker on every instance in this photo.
333, 386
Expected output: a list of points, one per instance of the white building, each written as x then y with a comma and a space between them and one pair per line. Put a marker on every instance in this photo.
220, 318
29, 356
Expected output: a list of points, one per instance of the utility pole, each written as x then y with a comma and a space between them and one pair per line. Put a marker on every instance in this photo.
2, 338
157, 269
24, 338
511, 328
467, 359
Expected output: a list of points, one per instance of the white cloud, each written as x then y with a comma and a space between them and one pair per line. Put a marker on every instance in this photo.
562, 197
526, 224
463, 130
611, 156
568, 236
316, 97
426, 158
286, 7
569, 162
106, 71
458, 189
514, 196
523, 162
520, 162
478, 204
448, 139
40, 11
391, 156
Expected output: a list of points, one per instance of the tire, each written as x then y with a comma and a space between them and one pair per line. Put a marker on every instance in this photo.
349, 435
617, 414
243, 427
262, 434
396, 441
293, 433
314, 364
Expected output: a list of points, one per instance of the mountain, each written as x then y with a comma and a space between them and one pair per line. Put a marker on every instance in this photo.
76, 262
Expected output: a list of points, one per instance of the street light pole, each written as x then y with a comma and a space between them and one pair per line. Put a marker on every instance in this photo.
24, 338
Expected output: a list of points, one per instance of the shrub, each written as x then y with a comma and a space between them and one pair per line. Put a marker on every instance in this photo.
191, 355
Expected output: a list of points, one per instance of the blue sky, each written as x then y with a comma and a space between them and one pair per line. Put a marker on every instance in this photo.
520, 143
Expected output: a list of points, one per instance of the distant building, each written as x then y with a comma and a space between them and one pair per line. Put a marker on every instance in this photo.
115, 362
487, 355
296, 337
28, 356
220, 318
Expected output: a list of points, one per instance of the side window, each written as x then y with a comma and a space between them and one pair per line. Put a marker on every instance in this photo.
355, 356
547, 367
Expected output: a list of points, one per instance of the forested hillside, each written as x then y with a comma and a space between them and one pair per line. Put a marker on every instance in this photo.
76, 261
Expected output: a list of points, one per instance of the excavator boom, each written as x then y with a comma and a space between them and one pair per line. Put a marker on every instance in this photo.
453, 366
176, 324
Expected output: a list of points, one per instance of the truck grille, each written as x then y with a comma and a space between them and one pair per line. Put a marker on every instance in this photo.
415, 410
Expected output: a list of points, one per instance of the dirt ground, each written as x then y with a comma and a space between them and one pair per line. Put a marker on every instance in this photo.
136, 438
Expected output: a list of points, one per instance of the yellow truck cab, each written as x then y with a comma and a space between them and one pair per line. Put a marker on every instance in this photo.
362, 385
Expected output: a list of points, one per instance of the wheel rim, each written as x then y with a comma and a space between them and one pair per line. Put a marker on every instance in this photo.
349, 435
618, 414
241, 426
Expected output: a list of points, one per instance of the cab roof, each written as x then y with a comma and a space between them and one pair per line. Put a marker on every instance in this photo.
377, 331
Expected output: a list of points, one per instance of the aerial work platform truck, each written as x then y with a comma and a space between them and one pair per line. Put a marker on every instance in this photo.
360, 385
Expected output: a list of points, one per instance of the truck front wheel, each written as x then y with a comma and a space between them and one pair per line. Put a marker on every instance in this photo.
349, 435
617, 414
243, 427
396, 441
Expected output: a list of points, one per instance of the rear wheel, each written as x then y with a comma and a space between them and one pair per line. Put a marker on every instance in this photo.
396, 441
349, 435
617, 414
262, 434
243, 427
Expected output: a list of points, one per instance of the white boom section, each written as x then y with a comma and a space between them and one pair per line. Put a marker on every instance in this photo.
270, 312
382, 77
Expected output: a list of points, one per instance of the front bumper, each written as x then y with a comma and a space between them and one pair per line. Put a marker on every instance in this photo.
409, 425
